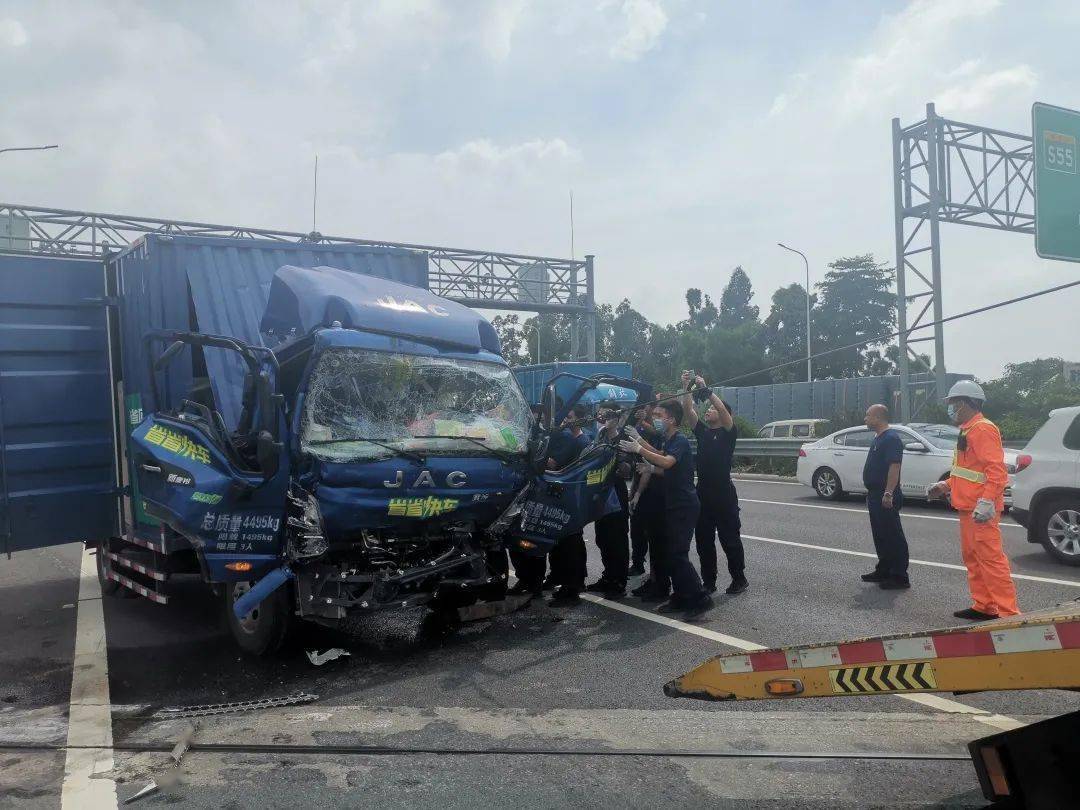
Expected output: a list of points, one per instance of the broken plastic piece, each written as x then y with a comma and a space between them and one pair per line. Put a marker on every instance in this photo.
318, 659
146, 791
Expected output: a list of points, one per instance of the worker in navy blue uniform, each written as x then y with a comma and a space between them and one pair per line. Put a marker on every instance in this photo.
675, 458
647, 519
881, 478
716, 435
613, 530
569, 556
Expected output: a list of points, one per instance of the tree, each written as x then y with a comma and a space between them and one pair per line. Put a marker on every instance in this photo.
511, 338
703, 313
735, 306
856, 305
785, 332
1022, 397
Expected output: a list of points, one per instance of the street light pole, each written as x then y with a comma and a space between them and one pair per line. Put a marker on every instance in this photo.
809, 373
30, 148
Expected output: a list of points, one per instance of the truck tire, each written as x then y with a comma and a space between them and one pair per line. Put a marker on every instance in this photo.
265, 630
1058, 527
108, 586
827, 484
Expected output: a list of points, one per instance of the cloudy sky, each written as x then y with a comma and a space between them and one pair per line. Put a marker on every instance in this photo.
694, 134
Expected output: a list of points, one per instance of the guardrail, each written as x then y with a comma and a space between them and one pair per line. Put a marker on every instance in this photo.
770, 448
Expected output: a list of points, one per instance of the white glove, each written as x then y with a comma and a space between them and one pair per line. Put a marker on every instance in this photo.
631, 431
630, 446
984, 511
644, 467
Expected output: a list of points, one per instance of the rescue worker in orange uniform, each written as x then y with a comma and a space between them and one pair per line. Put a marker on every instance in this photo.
976, 488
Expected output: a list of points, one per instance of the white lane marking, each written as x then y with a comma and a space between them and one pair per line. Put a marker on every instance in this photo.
863, 511
954, 567
89, 736
930, 701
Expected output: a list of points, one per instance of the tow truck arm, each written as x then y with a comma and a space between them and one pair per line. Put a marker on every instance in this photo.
1028, 766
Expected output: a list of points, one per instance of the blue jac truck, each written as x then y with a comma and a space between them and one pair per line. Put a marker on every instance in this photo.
306, 427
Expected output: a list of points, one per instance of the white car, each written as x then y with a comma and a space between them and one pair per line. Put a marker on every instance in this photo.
833, 466
1046, 495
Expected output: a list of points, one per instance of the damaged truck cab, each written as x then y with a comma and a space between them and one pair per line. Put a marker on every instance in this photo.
379, 437
305, 427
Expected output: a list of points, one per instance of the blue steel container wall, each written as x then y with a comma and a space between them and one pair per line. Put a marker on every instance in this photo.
56, 420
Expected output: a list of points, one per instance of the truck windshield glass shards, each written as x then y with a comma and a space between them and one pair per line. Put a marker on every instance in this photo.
364, 405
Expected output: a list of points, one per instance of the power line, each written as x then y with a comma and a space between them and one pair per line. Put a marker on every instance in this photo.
891, 335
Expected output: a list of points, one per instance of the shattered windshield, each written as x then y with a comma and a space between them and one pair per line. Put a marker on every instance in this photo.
364, 405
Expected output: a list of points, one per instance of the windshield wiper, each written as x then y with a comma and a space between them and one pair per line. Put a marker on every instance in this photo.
380, 442
479, 443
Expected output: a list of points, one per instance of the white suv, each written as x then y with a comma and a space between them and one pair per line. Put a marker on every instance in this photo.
1046, 490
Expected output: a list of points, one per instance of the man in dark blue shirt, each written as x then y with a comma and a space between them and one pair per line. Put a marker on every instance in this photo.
716, 435
881, 477
569, 557
681, 509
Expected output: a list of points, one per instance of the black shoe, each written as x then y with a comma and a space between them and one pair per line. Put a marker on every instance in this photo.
736, 587
648, 586
520, 587
973, 615
873, 576
565, 598
894, 584
672, 605
601, 586
698, 608
549, 584
653, 596
636, 570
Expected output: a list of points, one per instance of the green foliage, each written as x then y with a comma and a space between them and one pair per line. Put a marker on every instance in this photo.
1020, 400
855, 305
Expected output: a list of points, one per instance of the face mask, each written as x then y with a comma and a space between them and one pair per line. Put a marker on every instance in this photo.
954, 412
658, 426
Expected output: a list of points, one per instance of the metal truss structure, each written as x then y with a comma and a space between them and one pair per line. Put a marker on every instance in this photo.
476, 278
948, 171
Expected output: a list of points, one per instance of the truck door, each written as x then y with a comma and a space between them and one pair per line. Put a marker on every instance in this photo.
223, 490
57, 459
562, 502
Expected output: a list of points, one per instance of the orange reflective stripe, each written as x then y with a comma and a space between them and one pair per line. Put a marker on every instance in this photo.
974, 476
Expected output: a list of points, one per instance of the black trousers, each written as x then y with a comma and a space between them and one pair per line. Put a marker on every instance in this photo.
529, 568
568, 560
685, 582
719, 518
650, 513
639, 535
613, 540
889, 540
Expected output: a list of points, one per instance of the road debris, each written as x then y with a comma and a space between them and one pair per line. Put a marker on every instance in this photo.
318, 659
149, 790
209, 709
489, 610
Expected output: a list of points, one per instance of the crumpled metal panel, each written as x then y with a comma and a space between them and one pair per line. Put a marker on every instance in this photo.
221, 286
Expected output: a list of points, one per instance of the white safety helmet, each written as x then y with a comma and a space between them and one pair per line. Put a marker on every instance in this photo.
967, 388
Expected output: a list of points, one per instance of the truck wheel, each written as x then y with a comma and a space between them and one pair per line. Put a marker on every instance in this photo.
1059, 529
108, 586
827, 484
264, 630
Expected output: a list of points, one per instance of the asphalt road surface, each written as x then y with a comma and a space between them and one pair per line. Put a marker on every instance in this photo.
571, 699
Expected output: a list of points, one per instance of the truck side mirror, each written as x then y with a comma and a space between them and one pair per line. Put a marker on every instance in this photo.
268, 454
166, 357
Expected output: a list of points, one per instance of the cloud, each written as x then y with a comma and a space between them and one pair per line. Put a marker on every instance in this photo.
979, 91
484, 157
12, 33
645, 23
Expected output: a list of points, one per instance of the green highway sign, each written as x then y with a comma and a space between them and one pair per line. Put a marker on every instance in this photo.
1056, 135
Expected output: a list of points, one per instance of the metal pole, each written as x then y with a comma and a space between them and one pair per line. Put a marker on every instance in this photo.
901, 272
590, 302
30, 148
809, 367
935, 166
